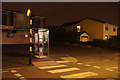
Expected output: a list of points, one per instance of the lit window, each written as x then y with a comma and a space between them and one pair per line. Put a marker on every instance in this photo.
46, 36
106, 28
106, 37
78, 28
40, 36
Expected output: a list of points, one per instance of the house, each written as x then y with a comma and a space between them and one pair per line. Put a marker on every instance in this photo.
14, 35
84, 36
95, 28
15, 27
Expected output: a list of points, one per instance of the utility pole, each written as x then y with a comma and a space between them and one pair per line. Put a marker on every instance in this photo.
30, 36
119, 18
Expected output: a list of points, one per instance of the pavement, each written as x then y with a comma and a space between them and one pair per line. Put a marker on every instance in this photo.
65, 62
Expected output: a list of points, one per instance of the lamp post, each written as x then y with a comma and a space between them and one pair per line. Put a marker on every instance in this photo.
119, 19
30, 36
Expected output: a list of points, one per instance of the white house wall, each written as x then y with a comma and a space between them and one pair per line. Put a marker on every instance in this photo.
93, 28
110, 31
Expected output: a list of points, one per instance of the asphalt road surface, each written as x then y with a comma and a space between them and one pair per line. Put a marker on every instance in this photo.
65, 63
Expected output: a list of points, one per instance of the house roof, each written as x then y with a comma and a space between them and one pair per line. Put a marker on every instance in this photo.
73, 23
18, 12
80, 33
11, 11
70, 23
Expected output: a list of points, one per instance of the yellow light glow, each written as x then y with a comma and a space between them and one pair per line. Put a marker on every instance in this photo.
41, 36
106, 37
28, 12
46, 36
31, 40
30, 48
31, 31
30, 22
6, 26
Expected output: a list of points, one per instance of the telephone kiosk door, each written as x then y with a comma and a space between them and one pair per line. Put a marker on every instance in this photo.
41, 43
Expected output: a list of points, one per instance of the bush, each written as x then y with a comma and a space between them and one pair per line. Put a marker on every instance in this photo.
114, 42
85, 43
98, 42
111, 43
61, 35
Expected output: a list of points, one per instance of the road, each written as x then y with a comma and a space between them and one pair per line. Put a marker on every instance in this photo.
65, 62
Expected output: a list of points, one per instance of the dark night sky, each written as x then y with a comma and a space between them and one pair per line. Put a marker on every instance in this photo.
58, 13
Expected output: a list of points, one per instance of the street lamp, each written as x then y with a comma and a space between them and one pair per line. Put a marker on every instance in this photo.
28, 12
30, 47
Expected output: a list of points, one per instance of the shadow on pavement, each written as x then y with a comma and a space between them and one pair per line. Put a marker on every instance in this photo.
14, 54
63, 79
15, 62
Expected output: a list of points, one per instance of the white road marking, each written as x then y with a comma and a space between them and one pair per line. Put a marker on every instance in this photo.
13, 71
18, 75
49, 67
80, 63
86, 65
80, 75
108, 69
113, 67
4, 71
44, 63
43, 56
70, 59
106, 60
96, 66
70, 79
63, 70
62, 61
22, 78
109, 79
91, 62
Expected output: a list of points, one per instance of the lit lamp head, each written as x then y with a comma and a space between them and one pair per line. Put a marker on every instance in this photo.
28, 12
106, 37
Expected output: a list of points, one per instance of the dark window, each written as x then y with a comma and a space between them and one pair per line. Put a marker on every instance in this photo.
4, 18
106, 28
10, 14
14, 31
11, 19
36, 22
84, 36
114, 30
